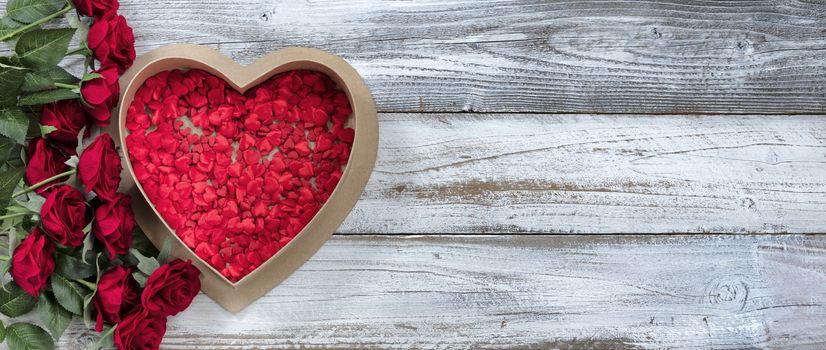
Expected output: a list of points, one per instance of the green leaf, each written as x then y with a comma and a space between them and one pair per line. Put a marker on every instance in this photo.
140, 277
107, 338
5, 266
48, 96
6, 147
73, 268
33, 202
8, 181
166, 251
26, 336
90, 76
43, 48
60, 75
2, 332
88, 308
142, 243
18, 209
14, 239
36, 81
88, 247
146, 264
28, 11
46, 129
8, 26
68, 294
45, 80
54, 316
14, 124
14, 301
11, 62
10, 81
72, 161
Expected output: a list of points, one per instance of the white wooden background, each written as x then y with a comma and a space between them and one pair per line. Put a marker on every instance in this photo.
551, 174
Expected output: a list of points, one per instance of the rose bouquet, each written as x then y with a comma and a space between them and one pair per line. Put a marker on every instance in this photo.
69, 246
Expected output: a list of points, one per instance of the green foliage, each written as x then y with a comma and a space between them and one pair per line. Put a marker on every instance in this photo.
31, 201
30, 11
146, 264
142, 243
68, 294
10, 82
14, 124
43, 48
46, 129
53, 316
9, 26
7, 146
8, 180
43, 97
46, 79
14, 301
26, 336
72, 268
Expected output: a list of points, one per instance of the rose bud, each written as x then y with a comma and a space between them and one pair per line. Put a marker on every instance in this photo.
140, 331
96, 8
112, 42
64, 216
99, 167
113, 224
44, 161
33, 263
101, 94
68, 118
117, 295
171, 288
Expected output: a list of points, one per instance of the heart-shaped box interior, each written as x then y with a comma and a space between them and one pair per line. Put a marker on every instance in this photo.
231, 289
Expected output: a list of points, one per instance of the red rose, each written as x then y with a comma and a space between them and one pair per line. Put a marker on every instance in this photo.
171, 288
64, 216
32, 263
116, 296
113, 224
99, 167
140, 330
44, 161
68, 118
101, 94
112, 41
96, 8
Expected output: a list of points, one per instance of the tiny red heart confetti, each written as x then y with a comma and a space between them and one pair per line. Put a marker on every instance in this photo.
237, 176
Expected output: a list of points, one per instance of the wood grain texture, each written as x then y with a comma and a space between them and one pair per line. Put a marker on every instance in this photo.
660, 56
701, 291
472, 173
534, 55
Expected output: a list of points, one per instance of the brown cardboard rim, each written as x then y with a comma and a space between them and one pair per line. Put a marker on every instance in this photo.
235, 296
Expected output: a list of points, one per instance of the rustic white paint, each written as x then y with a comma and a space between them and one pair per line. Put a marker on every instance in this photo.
472, 173
532, 55
442, 292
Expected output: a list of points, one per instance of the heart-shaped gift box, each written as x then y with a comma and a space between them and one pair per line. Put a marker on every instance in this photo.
234, 296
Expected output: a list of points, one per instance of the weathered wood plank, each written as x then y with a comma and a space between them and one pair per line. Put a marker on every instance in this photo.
532, 55
472, 173
702, 291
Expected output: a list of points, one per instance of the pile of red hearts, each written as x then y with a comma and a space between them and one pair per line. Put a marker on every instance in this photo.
237, 176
